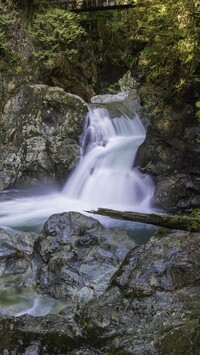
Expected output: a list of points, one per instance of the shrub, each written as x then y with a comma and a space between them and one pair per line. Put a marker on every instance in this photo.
56, 35
8, 57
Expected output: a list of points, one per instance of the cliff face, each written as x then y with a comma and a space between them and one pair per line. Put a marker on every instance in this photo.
170, 153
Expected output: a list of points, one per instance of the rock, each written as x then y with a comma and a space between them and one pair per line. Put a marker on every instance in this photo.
79, 257
16, 253
75, 259
40, 137
118, 298
52, 334
171, 157
152, 303
178, 191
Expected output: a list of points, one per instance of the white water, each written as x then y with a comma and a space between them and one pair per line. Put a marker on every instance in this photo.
105, 176
15, 302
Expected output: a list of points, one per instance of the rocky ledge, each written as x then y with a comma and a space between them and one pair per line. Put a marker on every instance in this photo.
114, 297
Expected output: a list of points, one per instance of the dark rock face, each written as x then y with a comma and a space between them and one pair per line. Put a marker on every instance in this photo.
118, 298
170, 154
40, 134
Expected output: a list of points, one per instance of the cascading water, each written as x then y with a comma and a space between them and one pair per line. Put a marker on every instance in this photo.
104, 177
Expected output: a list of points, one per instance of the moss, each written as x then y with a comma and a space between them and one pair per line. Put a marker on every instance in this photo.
10, 59
162, 232
179, 339
195, 213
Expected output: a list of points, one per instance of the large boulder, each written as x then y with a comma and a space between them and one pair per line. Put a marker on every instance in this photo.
72, 260
79, 257
40, 136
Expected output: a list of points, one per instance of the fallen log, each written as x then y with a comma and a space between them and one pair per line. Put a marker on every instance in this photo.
185, 223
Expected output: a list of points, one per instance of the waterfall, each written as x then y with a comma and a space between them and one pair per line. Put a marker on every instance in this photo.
104, 177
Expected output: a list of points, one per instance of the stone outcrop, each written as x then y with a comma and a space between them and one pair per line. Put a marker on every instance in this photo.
155, 300
78, 257
170, 154
40, 136
114, 297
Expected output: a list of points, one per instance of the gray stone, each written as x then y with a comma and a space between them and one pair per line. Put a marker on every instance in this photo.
118, 298
79, 256
41, 130
152, 304
16, 253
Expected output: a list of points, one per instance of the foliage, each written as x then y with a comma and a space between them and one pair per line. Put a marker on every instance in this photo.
195, 213
106, 33
8, 57
159, 39
31, 7
198, 111
170, 35
55, 35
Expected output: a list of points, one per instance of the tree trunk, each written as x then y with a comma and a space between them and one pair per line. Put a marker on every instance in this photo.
190, 224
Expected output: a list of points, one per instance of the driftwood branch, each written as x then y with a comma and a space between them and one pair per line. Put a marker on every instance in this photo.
173, 222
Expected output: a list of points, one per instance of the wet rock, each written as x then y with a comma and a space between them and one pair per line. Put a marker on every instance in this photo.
40, 134
79, 257
16, 264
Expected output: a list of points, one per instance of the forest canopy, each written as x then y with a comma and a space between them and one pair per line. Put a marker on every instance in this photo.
157, 39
